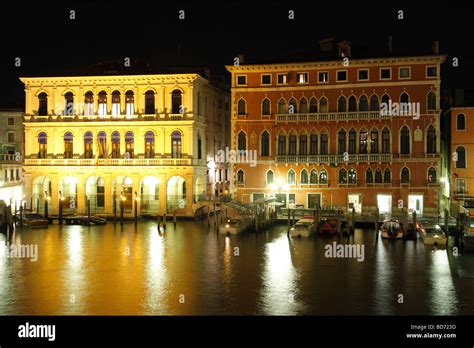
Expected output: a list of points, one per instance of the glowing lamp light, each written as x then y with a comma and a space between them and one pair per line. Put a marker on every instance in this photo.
280, 181
286, 187
442, 179
273, 187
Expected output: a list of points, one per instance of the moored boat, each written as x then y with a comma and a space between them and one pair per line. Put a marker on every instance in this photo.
392, 229
328, 227
34, 220
304, 227
233, 226
432, 234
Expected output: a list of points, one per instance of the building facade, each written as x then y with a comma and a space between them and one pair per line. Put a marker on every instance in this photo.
11, 156
360, 133
113, 140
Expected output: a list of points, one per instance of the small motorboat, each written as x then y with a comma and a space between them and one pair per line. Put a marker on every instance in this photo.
304, 227
432, 234
233, 226
328, 227
34, 220
392, 229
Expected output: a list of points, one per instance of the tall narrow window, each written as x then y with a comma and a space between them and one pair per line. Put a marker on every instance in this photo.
304, 176
378, 176
42, 104
323, 105
292, 106
369, 176
461, 154
150, 103
241, 141
352, 104
352, 176
88, 139
363, 103
313, 105
324, 144
431, 140
313, 177
352, 141
374, 103
199, 144
303, 106
343, 176
89, 104
341, 104
129, 144
129, 104
102, 144
265, 144
404, 141
266, 107
102, 103
292, 145
42, 145
291, 177
269, 177
385, 140
176, 144
282, 145
323, 177
374, 141
68, 145
176, 102
116, 103
432, 175
281, 106
387, 177
303, 144
241, 107
313, 146
405, 176
115, 144
150, 144
240, 176
461, 122
341, 142
431, 101
68, 104
363, 141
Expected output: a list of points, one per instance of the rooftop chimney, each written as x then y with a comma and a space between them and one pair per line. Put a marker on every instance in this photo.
390, 44
435, 47
241, 57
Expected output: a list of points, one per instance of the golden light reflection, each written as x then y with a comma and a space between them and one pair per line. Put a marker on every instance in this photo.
443, 295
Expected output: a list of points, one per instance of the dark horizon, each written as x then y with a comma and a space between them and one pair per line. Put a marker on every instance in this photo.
211, 36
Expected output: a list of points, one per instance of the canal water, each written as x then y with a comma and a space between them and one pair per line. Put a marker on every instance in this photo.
191, 270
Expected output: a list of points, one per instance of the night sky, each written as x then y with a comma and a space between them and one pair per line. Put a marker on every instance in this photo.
49, 43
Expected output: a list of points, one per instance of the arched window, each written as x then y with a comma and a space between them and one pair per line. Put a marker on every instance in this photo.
404, 141
341, 104
102, 143
378, 176
88, 139
374, 141
461, 154
304, 176
150, 103
89, 103
303, 144
363, 103
241, 107
363, 140
116, 103
42, 104
387, 177
130, 103
341, 142
323, 177
461, 122
115, 144
266, 107
369, 176
68, 145
291, 177
265, 144
404, 98
374, 103
352, 141
176, 144
404, 104
432, 175
69, 104
281, 106
176, 102
292, 106
241, 141
303, 106
313, 105
269, 177
385, 99
324, 149
129, 144
385, 140
240, 176
352, 176
405, 176
431, 101
42, 145
102, 103
292, 144
343, 176
323, 105
313, 145
282, 145
313, 178
149, 144
431, 140
352, 104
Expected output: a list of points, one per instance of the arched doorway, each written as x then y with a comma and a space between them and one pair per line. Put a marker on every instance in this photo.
95, 193
68, 193
176, 193
122, 191
41, 192
150, 194
199, 189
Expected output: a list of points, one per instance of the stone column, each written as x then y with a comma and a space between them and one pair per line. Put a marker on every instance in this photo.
108, 193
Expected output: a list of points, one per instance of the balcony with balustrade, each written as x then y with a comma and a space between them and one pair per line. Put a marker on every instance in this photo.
110, 118
331, 116
336, 159
138, 160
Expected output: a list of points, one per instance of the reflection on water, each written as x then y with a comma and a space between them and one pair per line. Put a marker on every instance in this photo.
191, 270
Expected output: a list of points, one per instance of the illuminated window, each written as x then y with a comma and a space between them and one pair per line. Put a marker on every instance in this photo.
129, 104
150, 144
42, 145
115, 103
265, 144
42, 104
176, 144
68, 145
102, 103
323, 77
129, 144
89, 104
176, 102
115, 144
302, 77
69, 104
405, 176
88, 139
